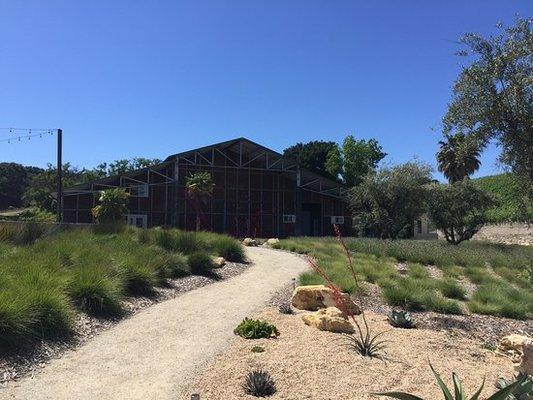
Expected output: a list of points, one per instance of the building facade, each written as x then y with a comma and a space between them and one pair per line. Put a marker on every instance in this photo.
257, 192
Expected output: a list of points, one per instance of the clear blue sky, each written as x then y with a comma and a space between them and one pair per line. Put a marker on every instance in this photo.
152, 78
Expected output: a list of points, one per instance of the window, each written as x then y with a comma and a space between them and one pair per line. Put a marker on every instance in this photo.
139, 190
337, 219
289, 218
137, 220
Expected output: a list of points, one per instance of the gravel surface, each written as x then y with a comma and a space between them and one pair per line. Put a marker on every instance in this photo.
310, 364
15, 366
153, 354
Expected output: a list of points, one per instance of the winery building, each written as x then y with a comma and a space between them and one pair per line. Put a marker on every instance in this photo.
258, 192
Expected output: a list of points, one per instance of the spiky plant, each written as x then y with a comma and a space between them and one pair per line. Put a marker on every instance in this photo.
459, 393
259, 384
401, 319
363, 341
524, 391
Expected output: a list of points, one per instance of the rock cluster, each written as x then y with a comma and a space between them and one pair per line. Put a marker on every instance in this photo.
329, 319
327, 315
271, 242
315, 297
249, 242
219, 262
520, 349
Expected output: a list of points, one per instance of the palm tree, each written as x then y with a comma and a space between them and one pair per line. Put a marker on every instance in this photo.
458, 156
199, 185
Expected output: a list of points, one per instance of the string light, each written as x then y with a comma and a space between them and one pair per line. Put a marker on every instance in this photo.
30, 133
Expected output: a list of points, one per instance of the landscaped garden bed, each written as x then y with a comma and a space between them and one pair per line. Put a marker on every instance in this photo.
306, 363
63, 289
499, 277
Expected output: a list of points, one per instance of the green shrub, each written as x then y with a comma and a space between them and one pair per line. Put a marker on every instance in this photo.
451, 289
255, 329
258, 349
407, 293
165, 239
441, 305
137, 279
230, 249
178, 265
501, 300
187, 242
200, 264
93, 291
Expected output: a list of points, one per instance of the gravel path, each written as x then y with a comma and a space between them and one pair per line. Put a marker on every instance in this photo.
156, 352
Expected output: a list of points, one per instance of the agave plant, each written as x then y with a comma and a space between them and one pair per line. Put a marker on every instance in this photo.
259, 384
401, 319
524, 391
459, 393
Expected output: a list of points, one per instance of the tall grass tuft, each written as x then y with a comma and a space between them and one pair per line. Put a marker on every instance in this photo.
200, 264
92, 290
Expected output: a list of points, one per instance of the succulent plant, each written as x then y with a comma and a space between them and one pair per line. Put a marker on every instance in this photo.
255, 329
259, 384
523, 391
459, 393
401, 319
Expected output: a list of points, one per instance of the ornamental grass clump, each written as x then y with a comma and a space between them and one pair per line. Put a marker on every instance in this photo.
259, 384
256, 329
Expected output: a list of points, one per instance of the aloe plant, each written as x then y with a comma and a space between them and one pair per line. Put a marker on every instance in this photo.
459, 393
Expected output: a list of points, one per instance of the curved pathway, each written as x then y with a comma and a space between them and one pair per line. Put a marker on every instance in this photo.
153, 354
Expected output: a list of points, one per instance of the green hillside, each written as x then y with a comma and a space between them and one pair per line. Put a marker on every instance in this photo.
507, 190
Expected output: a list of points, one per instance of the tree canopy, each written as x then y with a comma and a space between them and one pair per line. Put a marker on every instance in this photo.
458, 156
386, 203
493, 95
458, 209
354, 159
311, 155
14, 179
347, 163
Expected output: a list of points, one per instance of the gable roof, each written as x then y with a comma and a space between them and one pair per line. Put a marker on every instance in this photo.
311, 180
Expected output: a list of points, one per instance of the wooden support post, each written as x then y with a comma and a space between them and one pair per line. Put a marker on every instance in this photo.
59, 175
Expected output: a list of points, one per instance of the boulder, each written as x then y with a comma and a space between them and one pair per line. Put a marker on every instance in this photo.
513, 342
219, 262
329, 319
513, 345
249, 242
270, 242
314, 297
526, 366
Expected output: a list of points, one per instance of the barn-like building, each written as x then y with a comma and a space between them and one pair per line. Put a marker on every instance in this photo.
258, 192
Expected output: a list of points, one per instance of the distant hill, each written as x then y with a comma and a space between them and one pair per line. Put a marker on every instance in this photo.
506, 190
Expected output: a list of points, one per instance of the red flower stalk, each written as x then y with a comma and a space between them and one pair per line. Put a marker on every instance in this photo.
337, 293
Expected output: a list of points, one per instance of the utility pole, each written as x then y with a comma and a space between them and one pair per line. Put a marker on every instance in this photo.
59, 175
